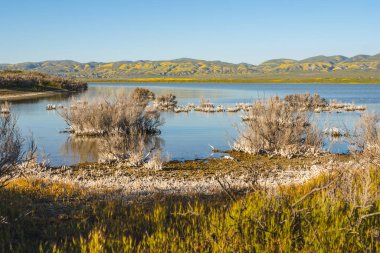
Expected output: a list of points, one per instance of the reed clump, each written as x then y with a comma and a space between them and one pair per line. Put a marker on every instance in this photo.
276, 127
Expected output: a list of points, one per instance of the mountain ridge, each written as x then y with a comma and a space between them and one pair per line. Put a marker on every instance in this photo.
360, 66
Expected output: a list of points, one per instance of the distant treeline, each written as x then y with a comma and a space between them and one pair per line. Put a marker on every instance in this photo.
38, 81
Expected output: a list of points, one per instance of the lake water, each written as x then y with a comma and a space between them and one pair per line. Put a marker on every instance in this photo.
185, 136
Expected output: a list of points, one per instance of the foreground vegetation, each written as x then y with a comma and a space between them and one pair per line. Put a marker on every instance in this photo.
335, 212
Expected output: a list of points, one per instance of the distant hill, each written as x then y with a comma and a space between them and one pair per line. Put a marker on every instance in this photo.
360, 67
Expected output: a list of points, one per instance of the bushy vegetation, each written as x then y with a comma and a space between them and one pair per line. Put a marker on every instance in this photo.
166, 102
128, 127
38, 81
141, 96
279, 127
305, 101
122, 114
10, 147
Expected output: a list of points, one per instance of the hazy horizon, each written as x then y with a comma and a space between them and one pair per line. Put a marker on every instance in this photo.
229, 31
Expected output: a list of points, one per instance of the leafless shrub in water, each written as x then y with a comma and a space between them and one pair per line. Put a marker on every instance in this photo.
166, 102
276, 128
306, 101
123, 115
141, 96
128, 126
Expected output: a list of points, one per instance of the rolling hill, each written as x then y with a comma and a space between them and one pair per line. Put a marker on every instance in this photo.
360, 68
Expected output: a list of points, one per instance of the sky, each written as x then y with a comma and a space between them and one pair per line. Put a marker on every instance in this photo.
250, 31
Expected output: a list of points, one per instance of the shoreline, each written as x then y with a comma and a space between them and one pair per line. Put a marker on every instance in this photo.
18, 95
189, 177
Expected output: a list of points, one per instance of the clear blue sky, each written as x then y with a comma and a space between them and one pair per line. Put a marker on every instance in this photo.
230, 30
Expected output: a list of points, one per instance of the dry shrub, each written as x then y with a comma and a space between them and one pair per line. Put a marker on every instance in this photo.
276, 128
141, 96
166, 102
11, 148
128, 126
122, 115
306, 101
366, 138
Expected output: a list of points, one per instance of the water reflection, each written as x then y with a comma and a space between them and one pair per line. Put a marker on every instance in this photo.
58, 98
82, 149
110, 148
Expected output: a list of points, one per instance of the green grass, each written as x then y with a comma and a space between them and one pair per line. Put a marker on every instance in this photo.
244, 80
328, 214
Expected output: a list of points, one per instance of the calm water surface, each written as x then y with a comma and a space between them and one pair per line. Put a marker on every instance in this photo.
185, 136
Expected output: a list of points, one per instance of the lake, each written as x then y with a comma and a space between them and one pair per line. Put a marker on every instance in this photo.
184, 135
